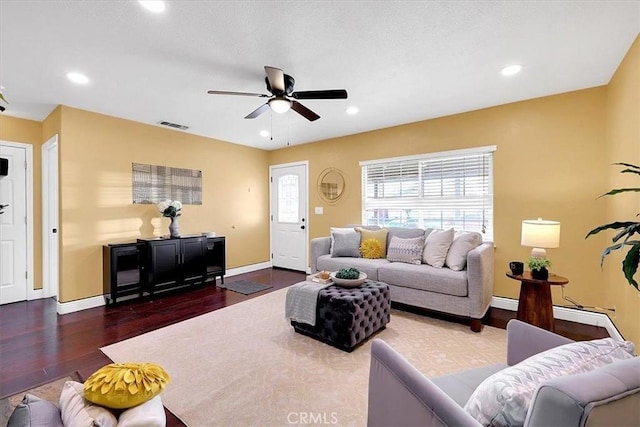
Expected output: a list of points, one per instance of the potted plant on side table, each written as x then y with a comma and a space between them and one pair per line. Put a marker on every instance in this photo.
539, 268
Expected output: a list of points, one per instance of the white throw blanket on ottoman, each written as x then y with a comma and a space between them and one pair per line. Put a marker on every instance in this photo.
302, 300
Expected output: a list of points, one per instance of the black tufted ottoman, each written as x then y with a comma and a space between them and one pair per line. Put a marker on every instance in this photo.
346, 317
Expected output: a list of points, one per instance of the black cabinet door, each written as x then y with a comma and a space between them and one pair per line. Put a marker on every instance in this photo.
194, 266
164, 261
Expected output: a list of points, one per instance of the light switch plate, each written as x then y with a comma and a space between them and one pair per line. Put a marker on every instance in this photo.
319, 210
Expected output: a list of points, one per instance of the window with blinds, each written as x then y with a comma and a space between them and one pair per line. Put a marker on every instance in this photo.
444, 190
153, 184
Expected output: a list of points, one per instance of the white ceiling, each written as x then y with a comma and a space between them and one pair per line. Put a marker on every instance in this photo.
400, 61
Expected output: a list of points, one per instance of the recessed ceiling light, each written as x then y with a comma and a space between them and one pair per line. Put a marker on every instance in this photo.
352, 110
78, 78
264, 133
510, 70
155, 6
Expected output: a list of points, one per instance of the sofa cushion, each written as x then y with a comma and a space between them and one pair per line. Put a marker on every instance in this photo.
405, 250
77, 411
425, 277
149, 414
35, 412
367, 266
346, 244
338, 230
371, 249
379, 235
125, 385
503, 398
461, 385
463, 242
404, 233
436, 247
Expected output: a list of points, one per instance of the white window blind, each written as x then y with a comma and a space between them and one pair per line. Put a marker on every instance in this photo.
443, 190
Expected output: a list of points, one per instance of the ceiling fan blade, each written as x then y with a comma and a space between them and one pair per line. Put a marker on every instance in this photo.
224, 92
276, 79
255, 113
304, 111
321, 94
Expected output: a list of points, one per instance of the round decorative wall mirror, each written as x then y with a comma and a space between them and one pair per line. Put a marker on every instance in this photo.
331, 184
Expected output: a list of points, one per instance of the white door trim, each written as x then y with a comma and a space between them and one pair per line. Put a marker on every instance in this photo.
304, 163
31, 293
49, 267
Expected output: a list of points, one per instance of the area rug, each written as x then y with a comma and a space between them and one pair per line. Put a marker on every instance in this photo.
50, 391
244, 365
245, 287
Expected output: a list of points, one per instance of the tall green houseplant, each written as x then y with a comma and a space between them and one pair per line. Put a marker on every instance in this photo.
623, 239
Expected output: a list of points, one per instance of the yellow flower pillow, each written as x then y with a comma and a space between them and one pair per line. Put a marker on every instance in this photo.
379, 235
371, 248
124, 385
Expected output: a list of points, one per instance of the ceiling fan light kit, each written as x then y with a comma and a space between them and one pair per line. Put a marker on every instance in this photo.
279, 105
281, 87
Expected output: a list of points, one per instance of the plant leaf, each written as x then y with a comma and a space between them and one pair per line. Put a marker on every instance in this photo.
613, 225
630, 171
608, 250
618, 191
629, 231
628, 165
3, 98
630, 264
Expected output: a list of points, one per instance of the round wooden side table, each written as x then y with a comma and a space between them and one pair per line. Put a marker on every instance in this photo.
535, 305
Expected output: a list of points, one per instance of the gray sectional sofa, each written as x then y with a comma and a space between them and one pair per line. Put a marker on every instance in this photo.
464, 293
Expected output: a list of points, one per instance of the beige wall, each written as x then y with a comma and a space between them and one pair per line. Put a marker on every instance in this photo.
550, 163
96, 152
623, 145
30, 132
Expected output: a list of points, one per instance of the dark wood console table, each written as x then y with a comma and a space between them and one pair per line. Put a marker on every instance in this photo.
154, 265
535, 305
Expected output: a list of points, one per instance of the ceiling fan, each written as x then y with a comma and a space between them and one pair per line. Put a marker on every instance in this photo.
281, 87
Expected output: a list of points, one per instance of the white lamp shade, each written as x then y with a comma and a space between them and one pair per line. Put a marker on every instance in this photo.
540, 233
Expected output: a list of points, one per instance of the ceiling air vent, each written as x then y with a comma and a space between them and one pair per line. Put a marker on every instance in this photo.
174, 125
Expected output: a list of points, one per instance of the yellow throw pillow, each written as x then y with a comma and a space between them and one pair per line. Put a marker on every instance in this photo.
379, 235
371, 248
124, 385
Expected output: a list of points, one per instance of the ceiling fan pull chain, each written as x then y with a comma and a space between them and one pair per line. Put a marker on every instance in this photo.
271, 116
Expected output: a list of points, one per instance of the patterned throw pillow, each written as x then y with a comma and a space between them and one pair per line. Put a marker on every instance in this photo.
371, 249
124, 385
379, 235
503, 399
405, 250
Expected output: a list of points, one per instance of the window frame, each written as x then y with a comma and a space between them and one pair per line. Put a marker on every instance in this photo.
408, 200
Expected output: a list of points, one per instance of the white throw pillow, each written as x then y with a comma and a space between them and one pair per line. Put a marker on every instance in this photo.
341, 230
149, 414
77, 411
463, 242
436, 247
503, 399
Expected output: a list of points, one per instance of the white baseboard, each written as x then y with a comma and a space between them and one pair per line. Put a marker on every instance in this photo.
81, 304
566, 313
97, 301
247, 268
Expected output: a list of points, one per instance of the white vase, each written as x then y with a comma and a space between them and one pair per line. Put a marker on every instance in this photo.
174, 228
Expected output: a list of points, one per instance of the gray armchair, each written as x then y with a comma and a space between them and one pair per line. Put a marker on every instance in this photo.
399, 395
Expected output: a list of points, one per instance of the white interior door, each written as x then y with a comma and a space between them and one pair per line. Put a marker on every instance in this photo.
13, 227
289, 216
50, 231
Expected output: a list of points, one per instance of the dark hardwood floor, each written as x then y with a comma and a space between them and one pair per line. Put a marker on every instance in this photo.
38, 346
